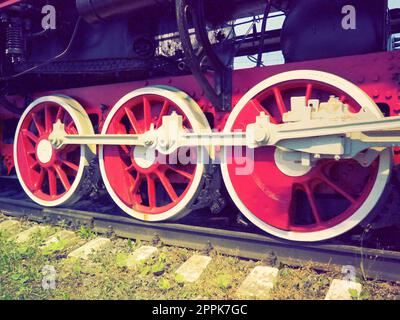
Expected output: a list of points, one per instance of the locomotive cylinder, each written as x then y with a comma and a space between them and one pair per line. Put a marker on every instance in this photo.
95, 11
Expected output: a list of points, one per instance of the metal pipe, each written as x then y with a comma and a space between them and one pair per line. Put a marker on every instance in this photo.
263, 30
95, 11
182, 12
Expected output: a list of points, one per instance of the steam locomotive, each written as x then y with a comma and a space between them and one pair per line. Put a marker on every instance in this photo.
143, 97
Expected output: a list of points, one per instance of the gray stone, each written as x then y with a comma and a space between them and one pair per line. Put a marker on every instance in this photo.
140, 255
340, 290
69, 238
258, 283
10, 227
191, 270
26, 235
89, 248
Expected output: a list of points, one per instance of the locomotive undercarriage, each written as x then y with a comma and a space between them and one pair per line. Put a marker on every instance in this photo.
306, 150
348, 135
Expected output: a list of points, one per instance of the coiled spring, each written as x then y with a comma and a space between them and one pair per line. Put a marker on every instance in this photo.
15, 40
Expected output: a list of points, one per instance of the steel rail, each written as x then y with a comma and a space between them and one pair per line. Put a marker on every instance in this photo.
369, 263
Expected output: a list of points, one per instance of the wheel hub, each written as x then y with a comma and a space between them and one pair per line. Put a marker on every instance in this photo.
289, 163
143, 158
44, 151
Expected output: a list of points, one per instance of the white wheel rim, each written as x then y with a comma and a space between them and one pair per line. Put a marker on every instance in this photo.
199, 123
385, 162
83, 125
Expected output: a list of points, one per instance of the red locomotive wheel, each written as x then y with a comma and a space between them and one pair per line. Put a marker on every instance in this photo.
145, 184
51, 177
283, 197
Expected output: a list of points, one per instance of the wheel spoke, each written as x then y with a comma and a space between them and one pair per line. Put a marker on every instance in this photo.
47, 119
52, 182
163, 112
60, 114
71, 165
135, 186
185, 121
151, 191
182, 173
119, 128
34, 165
279, 101
255, 103
39, 182
125, 149
147, 113
71, 128
337, 188
309, 92
38, 124
30, 135
132, 120
313, 204
63, 177
167, 185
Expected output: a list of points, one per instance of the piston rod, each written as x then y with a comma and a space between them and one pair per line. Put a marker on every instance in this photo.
345, 139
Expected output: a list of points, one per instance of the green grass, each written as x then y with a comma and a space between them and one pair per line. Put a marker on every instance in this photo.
21, 270
85, 233
106, 276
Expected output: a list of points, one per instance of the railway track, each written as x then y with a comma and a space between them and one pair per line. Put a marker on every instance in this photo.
371, 263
